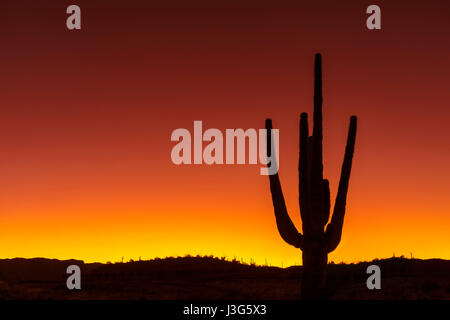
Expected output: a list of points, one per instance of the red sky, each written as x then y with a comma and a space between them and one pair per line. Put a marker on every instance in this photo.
86, 118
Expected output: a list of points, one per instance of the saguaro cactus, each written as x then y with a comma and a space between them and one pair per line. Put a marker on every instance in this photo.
314, 197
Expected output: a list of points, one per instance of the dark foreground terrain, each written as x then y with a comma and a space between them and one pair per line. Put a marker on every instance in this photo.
212, 278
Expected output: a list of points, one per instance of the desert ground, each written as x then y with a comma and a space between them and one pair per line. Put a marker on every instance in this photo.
213, 279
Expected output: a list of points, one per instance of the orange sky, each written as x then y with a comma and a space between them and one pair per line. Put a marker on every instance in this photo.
86, 119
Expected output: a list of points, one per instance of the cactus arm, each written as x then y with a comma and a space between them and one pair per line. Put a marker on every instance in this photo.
303, 168
316, 193
334, 229
286, 227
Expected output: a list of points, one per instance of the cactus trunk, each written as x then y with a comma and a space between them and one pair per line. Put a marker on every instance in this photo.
314, 274
314, 196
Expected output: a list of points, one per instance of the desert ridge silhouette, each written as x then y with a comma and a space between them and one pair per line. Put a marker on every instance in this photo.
214, 278
314, 197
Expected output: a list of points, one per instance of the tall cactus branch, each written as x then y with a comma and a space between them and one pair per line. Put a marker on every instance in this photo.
314, 195
334, 228
303, 170
286, 228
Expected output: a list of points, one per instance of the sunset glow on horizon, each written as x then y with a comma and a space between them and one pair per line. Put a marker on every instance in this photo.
86, 119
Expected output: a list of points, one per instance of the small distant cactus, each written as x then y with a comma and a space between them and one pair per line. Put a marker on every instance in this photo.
314, 197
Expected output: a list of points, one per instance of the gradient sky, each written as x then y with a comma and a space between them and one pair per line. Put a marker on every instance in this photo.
86, 118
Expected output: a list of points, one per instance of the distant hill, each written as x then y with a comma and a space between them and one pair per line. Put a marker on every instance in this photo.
213, 278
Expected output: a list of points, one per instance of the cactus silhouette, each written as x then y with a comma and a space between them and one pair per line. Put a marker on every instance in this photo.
314, 197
